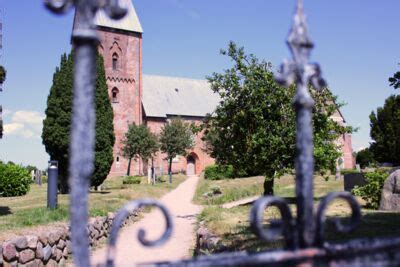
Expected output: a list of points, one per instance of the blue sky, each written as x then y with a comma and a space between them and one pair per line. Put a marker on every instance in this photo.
356, 45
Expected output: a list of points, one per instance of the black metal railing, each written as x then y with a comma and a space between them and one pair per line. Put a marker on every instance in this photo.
304, 235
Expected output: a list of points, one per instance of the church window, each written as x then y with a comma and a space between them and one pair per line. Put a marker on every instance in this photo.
115, 61
114, 95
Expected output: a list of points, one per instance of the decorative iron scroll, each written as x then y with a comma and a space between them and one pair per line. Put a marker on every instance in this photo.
123, 214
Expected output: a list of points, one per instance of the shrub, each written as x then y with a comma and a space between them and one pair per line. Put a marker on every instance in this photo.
132, 180
44, 179
216, 190
371, 192
219, 172
160, 179
14, 180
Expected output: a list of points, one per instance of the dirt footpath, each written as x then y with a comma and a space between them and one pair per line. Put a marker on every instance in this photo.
179, 203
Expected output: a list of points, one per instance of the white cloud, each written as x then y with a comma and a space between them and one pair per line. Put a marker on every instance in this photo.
13, 128
6, 112
24, 123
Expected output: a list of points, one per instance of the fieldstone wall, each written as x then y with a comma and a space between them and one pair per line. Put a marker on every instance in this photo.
53, 247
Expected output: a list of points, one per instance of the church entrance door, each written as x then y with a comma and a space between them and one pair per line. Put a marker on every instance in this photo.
191, 166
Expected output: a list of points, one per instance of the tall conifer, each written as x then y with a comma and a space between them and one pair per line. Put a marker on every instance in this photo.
57, 124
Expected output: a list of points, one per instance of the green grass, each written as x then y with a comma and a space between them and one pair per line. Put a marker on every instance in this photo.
232, 190
21, 214
232, 225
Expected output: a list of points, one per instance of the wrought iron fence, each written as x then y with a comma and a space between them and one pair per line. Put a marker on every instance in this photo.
304, 235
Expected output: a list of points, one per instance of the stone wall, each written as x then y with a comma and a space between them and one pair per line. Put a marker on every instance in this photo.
53, 247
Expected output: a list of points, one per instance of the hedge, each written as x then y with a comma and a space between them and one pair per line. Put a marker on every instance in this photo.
132, 180
219, 172
14, 180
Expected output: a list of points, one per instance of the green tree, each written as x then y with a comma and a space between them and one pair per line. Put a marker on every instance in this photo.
57, 124
365, 157
253, 128
385, 131
395, 80
175, 139
139, 142
3, 74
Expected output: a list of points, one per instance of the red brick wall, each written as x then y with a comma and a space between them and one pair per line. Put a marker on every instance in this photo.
201, 157
127, 78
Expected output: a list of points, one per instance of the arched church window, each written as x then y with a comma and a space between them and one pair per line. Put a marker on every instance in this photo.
115, 95
115, 61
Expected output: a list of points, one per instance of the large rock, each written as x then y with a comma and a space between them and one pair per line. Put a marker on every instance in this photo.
21, 242
32, 241
9, 251
39, 251
390, 199
47, 251
26, 255
44, 238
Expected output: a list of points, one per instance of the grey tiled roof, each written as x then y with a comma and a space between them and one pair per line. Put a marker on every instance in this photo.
164, 96
130, 22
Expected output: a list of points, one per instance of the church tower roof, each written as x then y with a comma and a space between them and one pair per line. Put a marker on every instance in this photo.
130, 22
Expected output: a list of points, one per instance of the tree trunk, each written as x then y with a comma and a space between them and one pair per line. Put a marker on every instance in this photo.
269, 186
128, 172
153, 178
63, 185
170, 170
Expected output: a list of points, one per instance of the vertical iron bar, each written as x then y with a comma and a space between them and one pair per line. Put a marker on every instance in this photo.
299, 71
82, 145
304, 163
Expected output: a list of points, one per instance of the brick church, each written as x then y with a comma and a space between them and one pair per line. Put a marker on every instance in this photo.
153, 100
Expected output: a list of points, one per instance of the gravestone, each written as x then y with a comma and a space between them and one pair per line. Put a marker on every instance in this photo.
390, 199
352, 180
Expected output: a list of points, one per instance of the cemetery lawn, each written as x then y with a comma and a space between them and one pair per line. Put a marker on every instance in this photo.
28, 213
232, 225
232, 190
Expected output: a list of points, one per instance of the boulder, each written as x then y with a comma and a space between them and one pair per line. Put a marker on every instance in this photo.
11, 264
51, 263
53, 238
61, 244
21, 242
390, 198
39, 251
58, 255
26, 255
69, 246
44, 238
32, 241
47, 251
9, 251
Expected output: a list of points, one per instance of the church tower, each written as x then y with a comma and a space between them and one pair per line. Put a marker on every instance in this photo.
121, 47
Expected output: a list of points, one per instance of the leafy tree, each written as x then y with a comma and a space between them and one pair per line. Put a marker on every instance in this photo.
3, 74
253, 128
395, 80
385, 131
175, 139
57, 124
365, 157
139, 142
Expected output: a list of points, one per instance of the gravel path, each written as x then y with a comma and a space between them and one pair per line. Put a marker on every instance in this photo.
179, 203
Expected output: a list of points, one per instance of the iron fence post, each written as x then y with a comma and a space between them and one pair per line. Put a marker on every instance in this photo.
302, 73
85, 40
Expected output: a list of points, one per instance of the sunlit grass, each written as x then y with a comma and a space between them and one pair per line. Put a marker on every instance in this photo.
18, 214
232, 225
